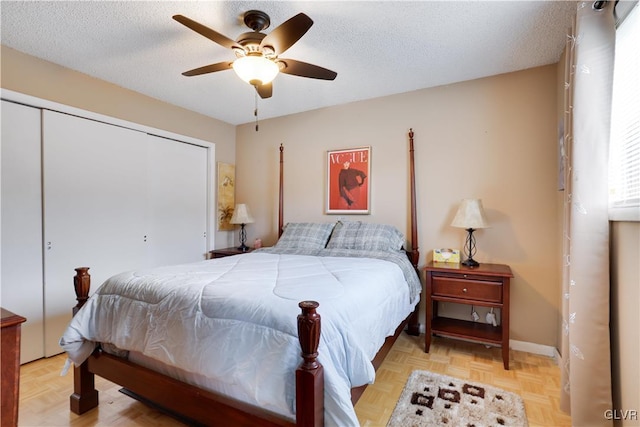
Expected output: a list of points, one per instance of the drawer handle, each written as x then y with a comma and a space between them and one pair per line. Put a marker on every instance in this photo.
464, 290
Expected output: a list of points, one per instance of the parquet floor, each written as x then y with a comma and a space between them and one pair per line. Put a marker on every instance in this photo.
535, 378
44, 394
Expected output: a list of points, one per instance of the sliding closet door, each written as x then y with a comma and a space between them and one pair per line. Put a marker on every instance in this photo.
95, 178
177, 202
22, 223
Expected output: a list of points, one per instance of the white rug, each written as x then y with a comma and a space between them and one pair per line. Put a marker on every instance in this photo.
430, 399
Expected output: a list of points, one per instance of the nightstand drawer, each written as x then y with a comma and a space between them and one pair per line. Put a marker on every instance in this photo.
467, 288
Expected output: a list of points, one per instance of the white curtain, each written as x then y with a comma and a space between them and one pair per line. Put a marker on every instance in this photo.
586, 365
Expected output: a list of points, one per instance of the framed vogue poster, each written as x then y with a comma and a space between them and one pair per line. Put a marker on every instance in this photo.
349, 181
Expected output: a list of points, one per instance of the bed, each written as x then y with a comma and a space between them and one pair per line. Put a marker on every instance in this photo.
264, 309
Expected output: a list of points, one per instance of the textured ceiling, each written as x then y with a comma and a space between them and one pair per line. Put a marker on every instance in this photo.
377, 48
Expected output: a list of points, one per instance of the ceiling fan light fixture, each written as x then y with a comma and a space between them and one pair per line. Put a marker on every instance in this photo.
258, 61
256, 69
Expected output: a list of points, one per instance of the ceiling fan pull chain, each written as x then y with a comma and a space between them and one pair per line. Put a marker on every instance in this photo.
255, 112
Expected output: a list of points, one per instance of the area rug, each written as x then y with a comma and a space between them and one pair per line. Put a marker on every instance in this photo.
430, 399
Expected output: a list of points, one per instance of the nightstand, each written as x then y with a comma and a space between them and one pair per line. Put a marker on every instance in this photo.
486, 285
221, 253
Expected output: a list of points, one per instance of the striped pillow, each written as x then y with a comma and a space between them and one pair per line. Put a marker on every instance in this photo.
305, 235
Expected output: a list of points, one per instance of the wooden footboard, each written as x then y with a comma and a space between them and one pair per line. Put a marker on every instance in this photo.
194, 404
186, 402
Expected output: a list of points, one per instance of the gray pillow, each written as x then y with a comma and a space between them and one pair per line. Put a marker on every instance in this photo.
305, 235
362, 235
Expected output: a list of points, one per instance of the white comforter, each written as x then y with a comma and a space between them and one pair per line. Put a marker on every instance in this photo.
217, 318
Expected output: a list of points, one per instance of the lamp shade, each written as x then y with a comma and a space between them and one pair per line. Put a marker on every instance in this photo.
241, 215
255, 69
470, 215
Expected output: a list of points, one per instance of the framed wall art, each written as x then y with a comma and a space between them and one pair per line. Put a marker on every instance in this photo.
226, 195
349, 181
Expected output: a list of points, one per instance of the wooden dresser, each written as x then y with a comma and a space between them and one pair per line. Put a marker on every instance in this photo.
486, 285
10, 356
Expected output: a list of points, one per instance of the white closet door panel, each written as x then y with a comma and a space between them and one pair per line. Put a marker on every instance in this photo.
94, 209
22, 224
177, 200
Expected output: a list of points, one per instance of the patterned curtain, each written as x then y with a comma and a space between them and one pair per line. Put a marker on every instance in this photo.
586, 367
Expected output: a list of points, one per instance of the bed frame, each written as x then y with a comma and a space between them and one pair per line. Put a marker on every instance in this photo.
202, 407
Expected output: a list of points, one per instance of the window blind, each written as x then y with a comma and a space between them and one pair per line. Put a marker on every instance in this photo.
624, 156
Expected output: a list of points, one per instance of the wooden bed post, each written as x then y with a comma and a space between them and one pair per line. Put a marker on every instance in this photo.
85, 395
82, 285
415, 254
310, 374
413, 327
281, 197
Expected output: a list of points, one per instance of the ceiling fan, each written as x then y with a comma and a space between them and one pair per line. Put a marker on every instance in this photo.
257, 61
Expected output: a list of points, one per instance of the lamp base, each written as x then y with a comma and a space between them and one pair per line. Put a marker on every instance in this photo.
470, 262
243, 239
470, 250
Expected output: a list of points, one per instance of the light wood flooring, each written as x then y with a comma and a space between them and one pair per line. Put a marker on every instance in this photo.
44, 394
535, 378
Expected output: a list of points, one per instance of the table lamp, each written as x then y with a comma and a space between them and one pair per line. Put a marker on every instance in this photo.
470, 216
242, 216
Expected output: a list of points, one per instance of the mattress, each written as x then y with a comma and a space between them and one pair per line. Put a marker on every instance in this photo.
229, 325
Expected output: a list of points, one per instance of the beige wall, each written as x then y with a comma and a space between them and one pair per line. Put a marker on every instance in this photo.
32, 76
493, 138
625, 319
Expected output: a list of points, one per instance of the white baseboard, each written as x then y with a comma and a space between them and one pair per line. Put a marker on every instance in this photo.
529, 347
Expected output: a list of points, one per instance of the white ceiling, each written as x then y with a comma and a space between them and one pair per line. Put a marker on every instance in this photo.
377, 48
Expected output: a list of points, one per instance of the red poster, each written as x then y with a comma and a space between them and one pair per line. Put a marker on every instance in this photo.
348, 181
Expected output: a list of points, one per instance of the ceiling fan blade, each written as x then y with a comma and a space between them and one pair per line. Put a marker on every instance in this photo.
265, 91
287, 33
302, 69
212, 68
207, 32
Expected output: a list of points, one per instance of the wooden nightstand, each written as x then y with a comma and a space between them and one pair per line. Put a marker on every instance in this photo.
10, 355
486, 285
221, 253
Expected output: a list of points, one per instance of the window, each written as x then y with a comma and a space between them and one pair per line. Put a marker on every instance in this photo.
624, 156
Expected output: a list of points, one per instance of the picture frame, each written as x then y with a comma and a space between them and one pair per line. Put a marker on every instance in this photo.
349, 181
226, 195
